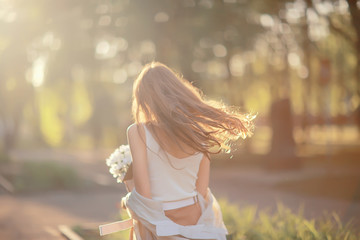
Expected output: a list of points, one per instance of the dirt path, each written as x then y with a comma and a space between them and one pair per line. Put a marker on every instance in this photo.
21, 218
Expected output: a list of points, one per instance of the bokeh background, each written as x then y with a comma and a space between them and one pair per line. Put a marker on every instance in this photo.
66, 74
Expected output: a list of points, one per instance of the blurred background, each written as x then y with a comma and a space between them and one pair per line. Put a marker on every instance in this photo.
66, 74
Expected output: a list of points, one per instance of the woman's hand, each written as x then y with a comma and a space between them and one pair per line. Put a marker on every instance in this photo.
129, 184
123, 203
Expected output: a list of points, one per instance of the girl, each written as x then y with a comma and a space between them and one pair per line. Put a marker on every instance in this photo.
174, 133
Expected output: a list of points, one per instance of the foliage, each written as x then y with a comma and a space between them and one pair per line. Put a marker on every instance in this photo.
4, 158
36, 176
248, 53
250, 224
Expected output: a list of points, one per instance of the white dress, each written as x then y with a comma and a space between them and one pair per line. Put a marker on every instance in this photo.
172, 179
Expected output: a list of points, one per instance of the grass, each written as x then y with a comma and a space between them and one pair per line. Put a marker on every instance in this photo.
248, 223
4, 158
36, 176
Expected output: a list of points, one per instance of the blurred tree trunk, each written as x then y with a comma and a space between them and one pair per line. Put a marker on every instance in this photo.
354, 11
305, 119
282, 125
11, 117
355, 18
14, 92
282, 153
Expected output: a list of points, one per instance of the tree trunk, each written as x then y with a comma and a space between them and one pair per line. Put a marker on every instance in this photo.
355, 18
283, 146
305, 119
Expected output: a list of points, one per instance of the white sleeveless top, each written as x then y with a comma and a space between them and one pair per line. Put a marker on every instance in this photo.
170, 182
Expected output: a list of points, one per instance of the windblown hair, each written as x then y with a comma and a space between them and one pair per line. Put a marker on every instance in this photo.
163, 99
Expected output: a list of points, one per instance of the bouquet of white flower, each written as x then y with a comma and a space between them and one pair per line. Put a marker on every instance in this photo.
119, 162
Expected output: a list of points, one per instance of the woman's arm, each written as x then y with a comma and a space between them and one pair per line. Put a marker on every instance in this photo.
202, 182
136, 140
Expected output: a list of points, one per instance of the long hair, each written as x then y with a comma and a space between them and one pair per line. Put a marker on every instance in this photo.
163, 99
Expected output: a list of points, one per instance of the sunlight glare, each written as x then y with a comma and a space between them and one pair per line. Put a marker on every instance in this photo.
206, 3
134, 68
120, 76
105, 49
294, 60
293, 15
266, 20
324, 8
10, 17
38, 71
102, 47
341, 6
219, 50
147, 47
237, 65
161, 17
104, 20
217, 69
122, 44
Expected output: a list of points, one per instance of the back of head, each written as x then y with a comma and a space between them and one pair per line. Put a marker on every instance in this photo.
164, 99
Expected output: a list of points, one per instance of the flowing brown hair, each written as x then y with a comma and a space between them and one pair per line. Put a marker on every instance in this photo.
163, 99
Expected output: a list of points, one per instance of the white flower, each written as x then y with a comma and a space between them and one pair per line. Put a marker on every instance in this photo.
119, 162
127, 160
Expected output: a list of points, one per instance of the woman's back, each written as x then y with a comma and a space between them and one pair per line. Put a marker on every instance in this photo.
172, 177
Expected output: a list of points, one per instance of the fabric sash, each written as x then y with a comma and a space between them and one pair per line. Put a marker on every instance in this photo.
115, 227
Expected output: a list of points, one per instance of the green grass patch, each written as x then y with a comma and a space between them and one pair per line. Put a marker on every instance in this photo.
4, 158
42, 176
250, 224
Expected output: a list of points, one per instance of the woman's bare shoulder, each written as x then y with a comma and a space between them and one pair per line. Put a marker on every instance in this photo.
135, 130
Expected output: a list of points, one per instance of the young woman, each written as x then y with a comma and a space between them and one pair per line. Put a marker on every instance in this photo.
174, 133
